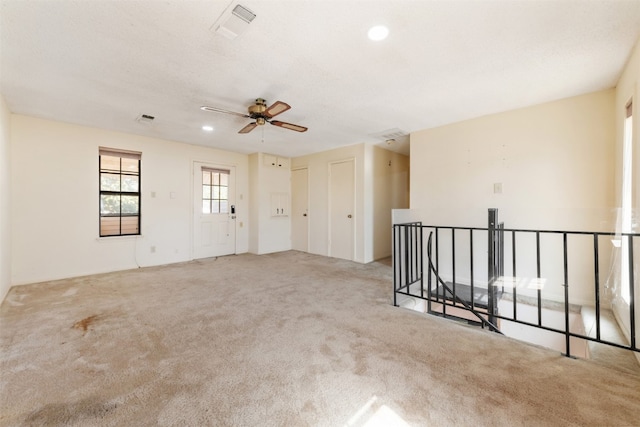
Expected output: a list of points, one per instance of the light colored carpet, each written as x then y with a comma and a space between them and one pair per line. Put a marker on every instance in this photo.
288, 339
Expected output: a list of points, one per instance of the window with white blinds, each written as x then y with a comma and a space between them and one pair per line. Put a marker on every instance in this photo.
119, 172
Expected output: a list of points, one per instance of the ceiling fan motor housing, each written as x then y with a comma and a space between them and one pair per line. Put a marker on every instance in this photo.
256, 110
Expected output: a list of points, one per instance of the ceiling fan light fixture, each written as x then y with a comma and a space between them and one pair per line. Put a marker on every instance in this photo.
378, 33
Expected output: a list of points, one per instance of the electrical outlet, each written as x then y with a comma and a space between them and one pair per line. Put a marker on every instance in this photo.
153, 249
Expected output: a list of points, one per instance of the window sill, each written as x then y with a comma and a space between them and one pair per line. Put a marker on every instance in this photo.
118, 238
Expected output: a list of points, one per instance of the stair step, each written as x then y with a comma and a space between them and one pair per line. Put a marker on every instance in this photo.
480, 295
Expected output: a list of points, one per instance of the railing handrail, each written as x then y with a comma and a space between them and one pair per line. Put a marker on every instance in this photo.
455, 297
527, 230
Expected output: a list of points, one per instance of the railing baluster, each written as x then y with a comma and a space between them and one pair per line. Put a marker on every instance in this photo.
596, 262
513, 270
632, 305
429, 284
566, 295
491, 267
418, 234
412, 255
394, 262
473, 304
438, 263
407, 259
453, 260
538, 276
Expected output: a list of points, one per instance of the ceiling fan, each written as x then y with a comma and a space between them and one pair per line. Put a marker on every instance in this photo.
261, 114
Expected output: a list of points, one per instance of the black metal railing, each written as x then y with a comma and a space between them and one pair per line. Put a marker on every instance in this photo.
553, 262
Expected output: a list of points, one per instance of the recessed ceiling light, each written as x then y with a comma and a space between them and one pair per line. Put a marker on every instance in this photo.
207, 128
377, 33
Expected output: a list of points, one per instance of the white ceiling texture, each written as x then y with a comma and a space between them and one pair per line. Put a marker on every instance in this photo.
104, 63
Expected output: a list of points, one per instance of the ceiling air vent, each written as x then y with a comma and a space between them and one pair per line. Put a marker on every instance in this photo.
395, 133
233, 22
145, 119
243, 13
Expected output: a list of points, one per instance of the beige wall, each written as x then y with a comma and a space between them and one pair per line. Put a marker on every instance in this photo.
555, 163
55, 200
390, 180
5, 199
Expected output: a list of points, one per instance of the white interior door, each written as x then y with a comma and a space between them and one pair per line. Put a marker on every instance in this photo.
341, 209
300, 209
214, 225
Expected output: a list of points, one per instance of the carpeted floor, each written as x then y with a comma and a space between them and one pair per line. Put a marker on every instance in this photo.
288, 339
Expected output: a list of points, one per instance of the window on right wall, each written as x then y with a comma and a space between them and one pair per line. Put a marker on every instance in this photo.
627, 199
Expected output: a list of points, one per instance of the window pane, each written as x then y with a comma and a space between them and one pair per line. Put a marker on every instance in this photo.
109, 205
130, 183
130, 165
216, 178
206, 206
206, 178
130, 225
224, 193
224, 206
206, 192
216, 192
129, 204
215, 208
224, 179
110, 163
110, 226
109, 182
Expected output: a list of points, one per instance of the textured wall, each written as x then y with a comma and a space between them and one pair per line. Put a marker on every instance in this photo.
5, 197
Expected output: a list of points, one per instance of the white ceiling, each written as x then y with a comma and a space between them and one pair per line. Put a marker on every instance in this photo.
103, 63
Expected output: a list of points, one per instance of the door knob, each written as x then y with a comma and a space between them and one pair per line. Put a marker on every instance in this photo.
349, 216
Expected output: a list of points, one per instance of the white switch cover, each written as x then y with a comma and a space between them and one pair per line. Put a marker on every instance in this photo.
497, 188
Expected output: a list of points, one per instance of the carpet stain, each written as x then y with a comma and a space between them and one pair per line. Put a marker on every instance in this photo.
85, 323
326, 351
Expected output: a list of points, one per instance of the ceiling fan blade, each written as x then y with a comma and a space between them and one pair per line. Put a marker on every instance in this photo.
276, 108
286, 125
220, 110
248, 128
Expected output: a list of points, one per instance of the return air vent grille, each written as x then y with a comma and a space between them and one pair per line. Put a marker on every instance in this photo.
233, 22
243, 13
395, 133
